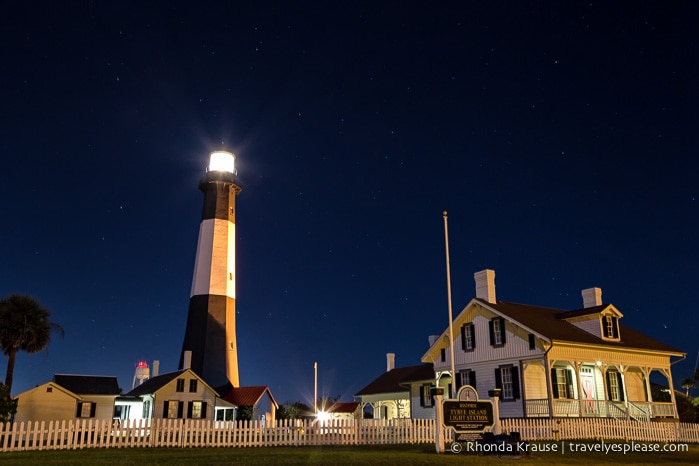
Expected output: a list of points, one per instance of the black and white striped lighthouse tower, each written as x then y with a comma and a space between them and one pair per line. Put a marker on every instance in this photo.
210, 335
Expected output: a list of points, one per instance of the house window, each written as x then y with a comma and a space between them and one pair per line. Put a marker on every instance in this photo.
86, 409
146, 409
192, 385
562, 381
426, 396
615, 389
468, 340
173, 409
610, 327
196, 410
443, 354
467, 377
49, 389
507, 393
497, 331
180, 385
507, 379
532, 341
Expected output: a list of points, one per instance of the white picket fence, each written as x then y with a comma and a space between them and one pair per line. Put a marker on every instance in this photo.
204, 433
602, 428
79, 434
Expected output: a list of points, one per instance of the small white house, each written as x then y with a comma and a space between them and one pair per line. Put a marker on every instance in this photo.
402, 393
176, 395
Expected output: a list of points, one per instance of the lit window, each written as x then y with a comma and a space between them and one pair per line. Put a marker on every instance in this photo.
196, 410
562, 383
86, 409
614, 386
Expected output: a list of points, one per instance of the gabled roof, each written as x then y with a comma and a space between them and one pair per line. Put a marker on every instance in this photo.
88, 384
551, 324
248, 396
396, 379
154, 384
44, 387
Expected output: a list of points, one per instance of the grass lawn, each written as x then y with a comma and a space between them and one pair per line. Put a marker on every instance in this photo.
360, 455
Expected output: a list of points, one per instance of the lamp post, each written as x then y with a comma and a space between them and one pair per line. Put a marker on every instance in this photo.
315, 389
451, 329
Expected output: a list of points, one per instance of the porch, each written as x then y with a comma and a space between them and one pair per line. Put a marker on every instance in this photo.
638, 410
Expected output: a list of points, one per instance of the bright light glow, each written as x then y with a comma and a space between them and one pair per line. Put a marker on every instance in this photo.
221, 161
323, 416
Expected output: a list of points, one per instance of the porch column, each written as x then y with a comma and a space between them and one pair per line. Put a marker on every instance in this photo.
649, 396
622, 371
667, 373
549, 385
578, 383
604, 369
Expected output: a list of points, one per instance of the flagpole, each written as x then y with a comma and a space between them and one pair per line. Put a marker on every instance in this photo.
451, 328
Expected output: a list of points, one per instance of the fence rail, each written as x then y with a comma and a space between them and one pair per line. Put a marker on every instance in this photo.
79, 434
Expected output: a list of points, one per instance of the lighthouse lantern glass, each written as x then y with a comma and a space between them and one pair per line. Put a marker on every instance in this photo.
222, 161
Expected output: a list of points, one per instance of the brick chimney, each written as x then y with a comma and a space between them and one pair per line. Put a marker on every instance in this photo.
390, 361
485, 285
592, 297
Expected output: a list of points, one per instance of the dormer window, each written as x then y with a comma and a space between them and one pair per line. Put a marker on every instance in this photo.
610, 327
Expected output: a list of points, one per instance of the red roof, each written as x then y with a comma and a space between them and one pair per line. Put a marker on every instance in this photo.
339, 407
248, 396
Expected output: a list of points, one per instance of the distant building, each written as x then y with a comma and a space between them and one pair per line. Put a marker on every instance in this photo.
69, 397
258, 400
401, 393
552, 363
344, 410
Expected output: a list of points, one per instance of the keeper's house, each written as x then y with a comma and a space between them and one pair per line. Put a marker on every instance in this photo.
554, 363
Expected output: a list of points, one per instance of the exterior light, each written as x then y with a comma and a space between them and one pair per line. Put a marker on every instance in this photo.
221, 161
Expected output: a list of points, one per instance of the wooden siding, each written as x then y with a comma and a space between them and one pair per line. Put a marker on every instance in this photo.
169, 393
590, 325
39, 404
635, 385
534, 379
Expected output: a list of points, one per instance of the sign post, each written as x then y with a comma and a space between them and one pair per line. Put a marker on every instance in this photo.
437, 393
467, 415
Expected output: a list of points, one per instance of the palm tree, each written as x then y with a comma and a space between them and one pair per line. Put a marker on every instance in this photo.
687, 384
24, 326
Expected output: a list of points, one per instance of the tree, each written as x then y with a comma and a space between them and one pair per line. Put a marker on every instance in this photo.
24, 326
8, 406
687, 384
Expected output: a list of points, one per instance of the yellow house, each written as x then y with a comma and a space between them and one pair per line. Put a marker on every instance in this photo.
553, 363
69, 397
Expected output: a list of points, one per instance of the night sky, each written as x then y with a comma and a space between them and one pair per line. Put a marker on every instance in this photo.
561, 137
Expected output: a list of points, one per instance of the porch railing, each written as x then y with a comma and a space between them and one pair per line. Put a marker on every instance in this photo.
639, 410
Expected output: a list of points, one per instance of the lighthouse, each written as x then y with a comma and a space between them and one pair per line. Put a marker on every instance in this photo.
209, 346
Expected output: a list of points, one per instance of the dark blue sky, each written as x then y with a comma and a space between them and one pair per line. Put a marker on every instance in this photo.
559, 136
